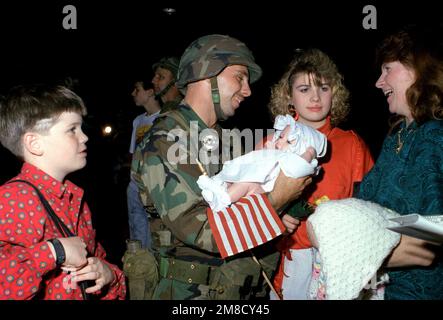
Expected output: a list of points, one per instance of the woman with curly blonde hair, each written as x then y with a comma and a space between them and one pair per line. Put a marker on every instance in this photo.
312, 90
317, 64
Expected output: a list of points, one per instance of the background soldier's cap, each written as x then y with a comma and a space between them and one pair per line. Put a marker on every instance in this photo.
207, 56
169, 63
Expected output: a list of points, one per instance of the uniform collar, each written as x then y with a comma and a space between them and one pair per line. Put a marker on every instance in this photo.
190, 115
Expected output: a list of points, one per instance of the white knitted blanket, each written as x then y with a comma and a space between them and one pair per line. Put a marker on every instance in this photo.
353, 242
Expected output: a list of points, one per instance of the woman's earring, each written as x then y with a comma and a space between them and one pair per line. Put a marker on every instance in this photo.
293, 112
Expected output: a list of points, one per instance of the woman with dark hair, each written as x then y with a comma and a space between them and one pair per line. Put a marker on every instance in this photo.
408, 175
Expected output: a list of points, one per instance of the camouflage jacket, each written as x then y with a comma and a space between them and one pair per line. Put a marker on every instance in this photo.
172, 188
171, 105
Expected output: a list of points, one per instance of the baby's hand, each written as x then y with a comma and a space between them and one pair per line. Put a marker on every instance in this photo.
254, 188
282, 143
309, 154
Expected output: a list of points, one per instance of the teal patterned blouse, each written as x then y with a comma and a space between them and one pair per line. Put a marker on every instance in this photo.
408, 178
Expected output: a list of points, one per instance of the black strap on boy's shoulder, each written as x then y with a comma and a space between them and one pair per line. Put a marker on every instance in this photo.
64, 230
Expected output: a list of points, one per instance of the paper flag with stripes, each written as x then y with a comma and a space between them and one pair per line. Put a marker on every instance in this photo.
244, 225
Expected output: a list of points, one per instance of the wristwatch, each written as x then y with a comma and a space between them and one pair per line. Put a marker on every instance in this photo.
59, 251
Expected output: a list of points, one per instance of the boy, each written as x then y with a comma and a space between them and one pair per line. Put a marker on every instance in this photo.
42, 126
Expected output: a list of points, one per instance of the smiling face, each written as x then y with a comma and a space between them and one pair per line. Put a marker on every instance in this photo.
63, 146
311, 101
233, 84
394, 81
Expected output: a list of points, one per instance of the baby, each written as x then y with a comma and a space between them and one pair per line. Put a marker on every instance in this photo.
293, 149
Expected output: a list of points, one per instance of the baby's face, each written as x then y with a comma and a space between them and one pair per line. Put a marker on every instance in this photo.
283, 144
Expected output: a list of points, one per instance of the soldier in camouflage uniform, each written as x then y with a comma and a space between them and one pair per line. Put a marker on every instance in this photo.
136, 264
214, 73
164, 81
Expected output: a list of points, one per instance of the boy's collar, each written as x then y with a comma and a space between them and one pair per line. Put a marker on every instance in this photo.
44, 181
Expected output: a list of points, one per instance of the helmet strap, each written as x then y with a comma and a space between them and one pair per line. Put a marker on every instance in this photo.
216, 100
165, 90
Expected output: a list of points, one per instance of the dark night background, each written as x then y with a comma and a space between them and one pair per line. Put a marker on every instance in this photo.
117, 42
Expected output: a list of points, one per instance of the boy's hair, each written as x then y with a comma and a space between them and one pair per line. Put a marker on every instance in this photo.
145, 83
34, 108
313, 62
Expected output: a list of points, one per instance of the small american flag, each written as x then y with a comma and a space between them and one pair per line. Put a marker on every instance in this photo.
246, 224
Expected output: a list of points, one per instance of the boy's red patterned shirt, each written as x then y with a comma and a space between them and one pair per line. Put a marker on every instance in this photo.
27, 267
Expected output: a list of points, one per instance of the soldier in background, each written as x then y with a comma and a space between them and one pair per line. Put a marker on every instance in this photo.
214, 73
164, 81
158, 96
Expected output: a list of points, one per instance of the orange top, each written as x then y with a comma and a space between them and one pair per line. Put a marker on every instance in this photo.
347, 161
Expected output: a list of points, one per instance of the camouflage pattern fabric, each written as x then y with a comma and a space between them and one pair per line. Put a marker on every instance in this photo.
171, 105
207, 56
183, 229
141, 269
169, 63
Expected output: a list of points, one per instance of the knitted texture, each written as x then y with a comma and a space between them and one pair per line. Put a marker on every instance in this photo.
352, 242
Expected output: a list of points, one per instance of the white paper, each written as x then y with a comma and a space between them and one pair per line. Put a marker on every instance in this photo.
429, 228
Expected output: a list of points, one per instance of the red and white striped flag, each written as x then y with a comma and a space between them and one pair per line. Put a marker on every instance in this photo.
246, 224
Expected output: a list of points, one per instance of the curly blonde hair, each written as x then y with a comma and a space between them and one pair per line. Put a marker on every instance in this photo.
317, 63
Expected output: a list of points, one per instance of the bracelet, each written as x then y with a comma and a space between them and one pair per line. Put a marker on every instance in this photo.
59, 251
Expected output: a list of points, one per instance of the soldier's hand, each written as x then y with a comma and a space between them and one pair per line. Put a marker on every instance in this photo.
287, 189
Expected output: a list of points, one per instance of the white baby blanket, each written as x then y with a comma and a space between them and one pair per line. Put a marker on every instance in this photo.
352, 242
263, 166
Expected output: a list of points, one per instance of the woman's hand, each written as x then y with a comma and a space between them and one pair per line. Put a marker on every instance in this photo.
291, 224
411, 252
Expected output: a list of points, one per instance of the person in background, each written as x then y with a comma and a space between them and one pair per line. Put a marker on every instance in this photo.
138, 219
164, 81
155, 96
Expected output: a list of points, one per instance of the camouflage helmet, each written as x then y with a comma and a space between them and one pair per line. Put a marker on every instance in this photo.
207, 56
169, 63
